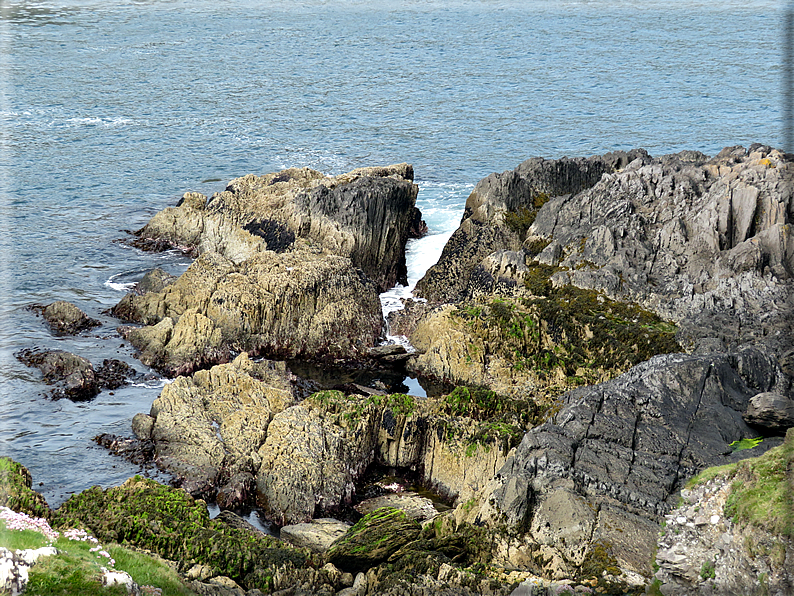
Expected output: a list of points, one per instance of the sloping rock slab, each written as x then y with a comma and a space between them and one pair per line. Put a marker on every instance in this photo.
623, 448
317, 535
373, 539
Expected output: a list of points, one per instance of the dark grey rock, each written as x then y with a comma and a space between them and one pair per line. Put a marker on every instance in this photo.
64, 318
626, 446
770, 410
73, 375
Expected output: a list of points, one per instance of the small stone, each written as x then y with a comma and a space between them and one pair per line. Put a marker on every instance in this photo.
715, 519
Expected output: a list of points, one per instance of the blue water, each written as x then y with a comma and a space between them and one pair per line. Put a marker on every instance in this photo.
110, 110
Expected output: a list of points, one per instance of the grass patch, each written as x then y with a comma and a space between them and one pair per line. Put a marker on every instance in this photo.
761, 493
149, 571
66, 575
727, 470
743, 444
21, 539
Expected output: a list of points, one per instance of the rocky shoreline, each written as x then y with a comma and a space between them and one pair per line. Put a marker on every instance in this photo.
613, 326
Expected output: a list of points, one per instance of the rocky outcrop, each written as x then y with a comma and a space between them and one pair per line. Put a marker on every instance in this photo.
291, 305
499, 210
64, 318
207, 428
235, 433
365, 215
609, 464
732, 532
706, 243
289, 266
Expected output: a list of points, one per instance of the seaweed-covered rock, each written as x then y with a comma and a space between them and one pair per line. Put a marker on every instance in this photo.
16, 492
172, 524
705, 243
317, 535
373, 539
64, 318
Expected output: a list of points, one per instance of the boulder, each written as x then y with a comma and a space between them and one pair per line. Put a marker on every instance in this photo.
770, 410
373, 539
64, 318
415, 506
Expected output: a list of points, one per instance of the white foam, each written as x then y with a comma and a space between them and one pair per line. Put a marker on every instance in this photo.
441, 206
120, 286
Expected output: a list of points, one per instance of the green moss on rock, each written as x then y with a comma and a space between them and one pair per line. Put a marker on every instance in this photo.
171, 523
16, 492
373, 539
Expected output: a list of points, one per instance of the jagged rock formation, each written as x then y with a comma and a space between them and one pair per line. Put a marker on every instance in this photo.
706, 243
366, 215
207, 428
289, 266
603, 471
237, 429
530, 293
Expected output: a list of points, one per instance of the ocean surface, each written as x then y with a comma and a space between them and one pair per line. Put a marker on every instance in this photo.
110, 110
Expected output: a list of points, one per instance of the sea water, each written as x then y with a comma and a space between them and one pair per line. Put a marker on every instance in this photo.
110, 110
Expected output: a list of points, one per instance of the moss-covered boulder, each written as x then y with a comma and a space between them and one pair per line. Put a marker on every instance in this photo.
373, 539
16, 492
171, 523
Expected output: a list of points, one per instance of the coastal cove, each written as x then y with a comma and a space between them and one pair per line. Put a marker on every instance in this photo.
605, 276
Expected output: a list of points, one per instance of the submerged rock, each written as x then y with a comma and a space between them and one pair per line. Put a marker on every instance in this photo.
64, 318
74, 377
